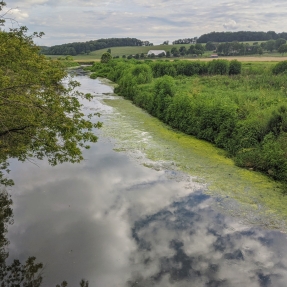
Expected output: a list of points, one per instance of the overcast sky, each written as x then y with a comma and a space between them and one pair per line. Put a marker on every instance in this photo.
65, 21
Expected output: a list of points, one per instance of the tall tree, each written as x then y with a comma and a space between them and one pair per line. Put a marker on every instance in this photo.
283, 49
106, 57
39, 116
279, 42
270, 45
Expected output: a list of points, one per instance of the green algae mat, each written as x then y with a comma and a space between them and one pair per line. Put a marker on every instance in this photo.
249, 195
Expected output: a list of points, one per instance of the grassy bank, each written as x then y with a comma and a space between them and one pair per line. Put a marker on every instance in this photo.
239, 108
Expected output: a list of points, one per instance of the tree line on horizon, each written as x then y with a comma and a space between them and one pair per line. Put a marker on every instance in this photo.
240, 36
236, 48
77, 48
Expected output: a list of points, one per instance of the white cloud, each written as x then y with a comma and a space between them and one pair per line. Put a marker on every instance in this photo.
85, 20
18, 14
230, 25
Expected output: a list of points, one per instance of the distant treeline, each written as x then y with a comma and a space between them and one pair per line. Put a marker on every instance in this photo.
241, 36
77, 48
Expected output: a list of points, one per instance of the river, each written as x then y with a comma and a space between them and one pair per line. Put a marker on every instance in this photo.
129, 216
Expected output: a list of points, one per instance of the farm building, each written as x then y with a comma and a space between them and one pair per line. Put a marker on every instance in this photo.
156, 52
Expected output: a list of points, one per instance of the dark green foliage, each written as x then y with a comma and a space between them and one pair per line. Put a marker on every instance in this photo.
190, 68
85, 47
269, 157
127, 87
241, 36
244, 115
280, 68
175, 68
165, 85
277, 122
160, 69
142, 73
270, 45
106, 57
283, 49
22, 275
234, 67
210, 46
279, 42
218, 67
40, 117
163, 90
6, 214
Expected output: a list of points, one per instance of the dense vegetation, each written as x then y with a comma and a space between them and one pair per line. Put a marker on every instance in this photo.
240, 36
39, 116
77, 48
240, 109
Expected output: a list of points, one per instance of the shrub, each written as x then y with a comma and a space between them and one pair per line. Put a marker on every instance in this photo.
142, 73
218, 67
106, 57
161, 69
280, 68
234, 67
163, 90
127, 86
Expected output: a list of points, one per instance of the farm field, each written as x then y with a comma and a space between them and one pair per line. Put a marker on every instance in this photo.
120, 51
133, 50
250, 58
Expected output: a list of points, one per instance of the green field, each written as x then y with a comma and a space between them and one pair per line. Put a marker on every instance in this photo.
120, 51
133, 50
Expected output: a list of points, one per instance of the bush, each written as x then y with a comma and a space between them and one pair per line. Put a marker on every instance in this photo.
280, 68
142, 73
234, 67
127, 87
161, 69
163, 90
218, 67
106, 57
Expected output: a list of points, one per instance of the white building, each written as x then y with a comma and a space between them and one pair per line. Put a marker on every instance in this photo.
156, 52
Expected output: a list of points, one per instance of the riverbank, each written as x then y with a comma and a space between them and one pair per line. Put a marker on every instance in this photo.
235, 113
249, 195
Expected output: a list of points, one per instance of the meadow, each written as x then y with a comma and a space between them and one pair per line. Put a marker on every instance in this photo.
120, 51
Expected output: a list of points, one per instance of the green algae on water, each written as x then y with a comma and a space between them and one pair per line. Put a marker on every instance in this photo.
248, 194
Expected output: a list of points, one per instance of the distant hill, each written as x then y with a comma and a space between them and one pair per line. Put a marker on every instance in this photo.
78, 48
240, 36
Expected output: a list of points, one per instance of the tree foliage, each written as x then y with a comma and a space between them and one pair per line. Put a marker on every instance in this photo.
280, 68
241, 36
5, 219
106, 57
89, 46
39, 115
283, 49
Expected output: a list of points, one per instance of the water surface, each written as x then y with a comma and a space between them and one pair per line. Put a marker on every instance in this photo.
115, 221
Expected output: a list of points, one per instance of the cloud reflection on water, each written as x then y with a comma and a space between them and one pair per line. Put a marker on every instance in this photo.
116, 223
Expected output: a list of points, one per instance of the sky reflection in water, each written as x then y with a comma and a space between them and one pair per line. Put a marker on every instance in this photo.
116, 223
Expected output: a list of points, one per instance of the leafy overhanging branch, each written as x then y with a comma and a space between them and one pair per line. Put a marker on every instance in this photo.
39, 116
